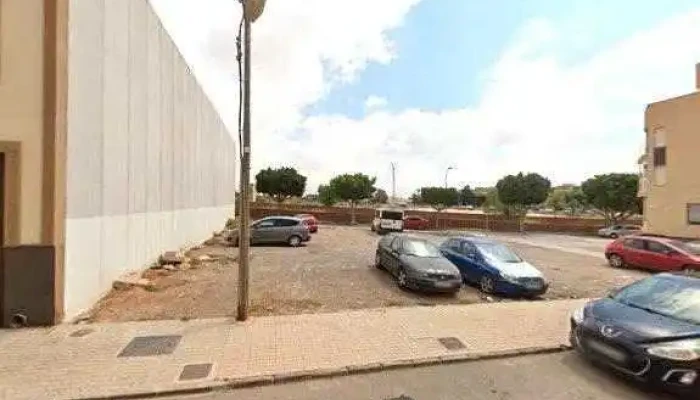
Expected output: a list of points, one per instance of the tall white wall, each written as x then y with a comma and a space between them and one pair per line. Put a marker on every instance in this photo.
151, 167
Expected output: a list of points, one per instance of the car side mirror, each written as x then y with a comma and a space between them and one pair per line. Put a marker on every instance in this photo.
614, 291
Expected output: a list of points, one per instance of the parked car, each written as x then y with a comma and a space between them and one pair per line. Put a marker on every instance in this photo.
310, 221
654, 253
616, 231
493, 266
417, 264
649, 330
415, 222
280, 229
387, 220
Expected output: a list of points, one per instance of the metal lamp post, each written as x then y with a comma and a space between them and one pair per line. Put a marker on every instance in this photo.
447, 171
252, 10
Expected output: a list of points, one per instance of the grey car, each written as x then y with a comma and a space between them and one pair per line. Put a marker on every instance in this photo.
616, 231
278, 229
417, 264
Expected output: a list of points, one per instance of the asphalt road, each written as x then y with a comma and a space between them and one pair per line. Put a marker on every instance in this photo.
543, 377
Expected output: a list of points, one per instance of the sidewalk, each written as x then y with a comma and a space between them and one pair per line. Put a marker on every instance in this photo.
82, 361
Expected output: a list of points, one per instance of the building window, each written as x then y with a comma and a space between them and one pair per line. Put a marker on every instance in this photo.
694, 214
660, 156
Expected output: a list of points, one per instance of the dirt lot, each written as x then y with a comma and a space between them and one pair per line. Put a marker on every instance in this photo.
332, 272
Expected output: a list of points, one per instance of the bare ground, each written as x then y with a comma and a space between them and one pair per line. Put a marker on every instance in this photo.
332, 272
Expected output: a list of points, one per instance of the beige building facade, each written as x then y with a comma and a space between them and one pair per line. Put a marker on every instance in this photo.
670, 184
110, 152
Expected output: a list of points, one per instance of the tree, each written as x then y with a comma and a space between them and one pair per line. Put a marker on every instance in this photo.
521, 192
439, 197
326, 195
381, 197
415, 197
566, 198
353, 188
613, 195
281, 183
467, 196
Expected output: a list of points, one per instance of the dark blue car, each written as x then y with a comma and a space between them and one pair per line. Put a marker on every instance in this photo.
649, 330
493, 266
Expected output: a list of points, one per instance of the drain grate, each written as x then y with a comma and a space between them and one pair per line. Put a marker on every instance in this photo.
452, 343
402, 397
146, 346
195, 371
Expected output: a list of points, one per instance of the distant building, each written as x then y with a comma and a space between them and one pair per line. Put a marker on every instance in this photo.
670, 169
110, 152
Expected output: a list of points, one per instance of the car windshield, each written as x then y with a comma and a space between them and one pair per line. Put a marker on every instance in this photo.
498, 252
688, 247
420, 248
671, 297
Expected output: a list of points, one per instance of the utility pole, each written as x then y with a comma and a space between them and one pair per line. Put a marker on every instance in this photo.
252, 9
393, 182
447, 171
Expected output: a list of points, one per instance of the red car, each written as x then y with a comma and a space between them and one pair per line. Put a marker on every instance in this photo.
416, 223
310, 221
654, 253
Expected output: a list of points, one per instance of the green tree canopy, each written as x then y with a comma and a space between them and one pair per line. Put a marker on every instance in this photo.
521, 192
439, 197
415, 197
613, 195
380, 196
353, 188
326, 195
281, 183
567, 198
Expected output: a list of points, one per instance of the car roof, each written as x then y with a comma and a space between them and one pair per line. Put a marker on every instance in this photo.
280, 217
678, 276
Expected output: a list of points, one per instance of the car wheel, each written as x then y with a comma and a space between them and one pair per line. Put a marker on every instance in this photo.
616, 261
294, 241
614, 236
378, 260
486, 284
402, 279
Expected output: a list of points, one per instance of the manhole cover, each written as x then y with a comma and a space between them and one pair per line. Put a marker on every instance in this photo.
195, 371
452, 343
145, 346
82, 332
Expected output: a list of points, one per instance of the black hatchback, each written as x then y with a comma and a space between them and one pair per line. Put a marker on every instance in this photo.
649, 330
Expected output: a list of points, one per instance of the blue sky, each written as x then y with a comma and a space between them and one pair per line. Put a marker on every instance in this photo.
557, 87
446, 47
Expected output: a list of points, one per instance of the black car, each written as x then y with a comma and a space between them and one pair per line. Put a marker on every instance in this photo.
649, 330
417, 264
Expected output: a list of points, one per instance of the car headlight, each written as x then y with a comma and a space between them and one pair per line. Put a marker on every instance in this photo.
682, 350
578, 315
509, 278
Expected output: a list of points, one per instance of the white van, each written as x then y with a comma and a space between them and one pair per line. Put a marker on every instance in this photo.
387, 220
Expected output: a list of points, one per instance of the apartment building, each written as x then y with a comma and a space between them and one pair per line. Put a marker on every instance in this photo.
670, 184
110, 153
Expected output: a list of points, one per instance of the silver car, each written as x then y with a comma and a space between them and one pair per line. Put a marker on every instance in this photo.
278, 229
616, 231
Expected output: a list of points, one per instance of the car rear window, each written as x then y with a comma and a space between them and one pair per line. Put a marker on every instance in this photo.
393, 215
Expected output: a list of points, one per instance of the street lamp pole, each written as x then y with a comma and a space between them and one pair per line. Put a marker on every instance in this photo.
447, 171
252, 9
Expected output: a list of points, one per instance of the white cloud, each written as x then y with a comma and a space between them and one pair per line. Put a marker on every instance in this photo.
374, 102
536, 112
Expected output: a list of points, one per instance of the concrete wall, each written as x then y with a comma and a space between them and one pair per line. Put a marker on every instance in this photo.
21, 116
665, 207
150, 164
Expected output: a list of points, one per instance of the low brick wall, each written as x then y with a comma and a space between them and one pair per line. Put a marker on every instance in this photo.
440, 221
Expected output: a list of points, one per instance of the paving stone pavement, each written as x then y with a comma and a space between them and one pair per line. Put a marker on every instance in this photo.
81, 361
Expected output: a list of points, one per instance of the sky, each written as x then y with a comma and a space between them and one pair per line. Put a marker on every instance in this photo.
489, 88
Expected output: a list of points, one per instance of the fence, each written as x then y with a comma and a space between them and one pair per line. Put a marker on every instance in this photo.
440, 221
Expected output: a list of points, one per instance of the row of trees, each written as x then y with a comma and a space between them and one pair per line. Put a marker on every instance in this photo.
614, 196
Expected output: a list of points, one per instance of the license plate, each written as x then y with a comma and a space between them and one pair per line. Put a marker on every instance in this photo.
610, 352
443, 284
533, 285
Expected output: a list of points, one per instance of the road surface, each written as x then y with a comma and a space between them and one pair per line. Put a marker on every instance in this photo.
541, 377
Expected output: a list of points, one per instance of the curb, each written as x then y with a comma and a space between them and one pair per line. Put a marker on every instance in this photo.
320, 373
